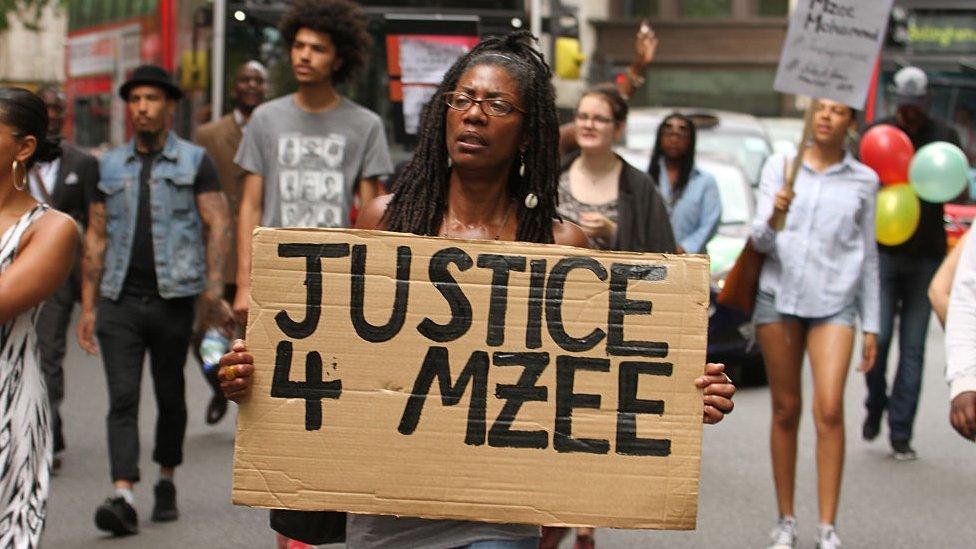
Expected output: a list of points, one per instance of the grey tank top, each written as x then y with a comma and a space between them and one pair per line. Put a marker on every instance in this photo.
570, 208
379, 531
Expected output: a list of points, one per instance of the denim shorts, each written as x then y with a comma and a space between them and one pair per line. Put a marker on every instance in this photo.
765, 313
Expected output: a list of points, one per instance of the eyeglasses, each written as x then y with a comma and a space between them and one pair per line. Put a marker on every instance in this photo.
461, 101
583, 118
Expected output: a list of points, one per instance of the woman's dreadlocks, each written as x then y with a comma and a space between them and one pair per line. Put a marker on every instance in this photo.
421, 189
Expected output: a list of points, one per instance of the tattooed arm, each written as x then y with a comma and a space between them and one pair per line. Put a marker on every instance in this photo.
215, 214
92, 265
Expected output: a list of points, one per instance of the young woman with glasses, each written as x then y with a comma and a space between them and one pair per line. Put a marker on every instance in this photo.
691, 194
486, 167
616, 205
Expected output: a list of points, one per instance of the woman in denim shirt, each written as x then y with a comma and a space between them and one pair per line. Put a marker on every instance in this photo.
690, 194
821, 271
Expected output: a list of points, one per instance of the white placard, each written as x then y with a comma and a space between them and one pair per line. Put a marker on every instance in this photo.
414, 99
426, 61
831, 48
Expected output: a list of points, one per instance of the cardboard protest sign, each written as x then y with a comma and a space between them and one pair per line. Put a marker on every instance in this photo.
476, 380
831, 47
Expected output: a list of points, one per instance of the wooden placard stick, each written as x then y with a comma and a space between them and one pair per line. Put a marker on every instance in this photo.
778, 219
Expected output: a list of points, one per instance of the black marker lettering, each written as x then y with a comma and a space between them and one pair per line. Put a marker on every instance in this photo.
554, 304
537, 283
445, 283
500, 265
620, 306
386, 332
313, 254
567, 400
312, 390
629, 406
501, 434
437, 366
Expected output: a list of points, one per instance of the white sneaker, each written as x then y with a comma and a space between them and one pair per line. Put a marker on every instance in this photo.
784, 535
827, 537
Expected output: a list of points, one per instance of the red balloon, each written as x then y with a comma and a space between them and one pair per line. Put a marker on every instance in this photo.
888, 151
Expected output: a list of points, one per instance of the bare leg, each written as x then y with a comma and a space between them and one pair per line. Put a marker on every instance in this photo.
782, 347
829, 346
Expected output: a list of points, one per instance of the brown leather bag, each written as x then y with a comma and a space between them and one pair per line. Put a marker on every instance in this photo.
742, 282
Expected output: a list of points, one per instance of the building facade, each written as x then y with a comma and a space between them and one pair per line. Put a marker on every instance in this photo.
106, 40
713, 53
30, 58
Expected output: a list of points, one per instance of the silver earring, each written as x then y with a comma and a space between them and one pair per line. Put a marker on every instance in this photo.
13, 172
522, 166
531, 201
449, 162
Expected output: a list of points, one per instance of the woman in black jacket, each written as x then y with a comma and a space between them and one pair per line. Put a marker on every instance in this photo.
618, 206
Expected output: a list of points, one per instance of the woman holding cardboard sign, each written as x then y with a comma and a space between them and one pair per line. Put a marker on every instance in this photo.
486, 167
821, 271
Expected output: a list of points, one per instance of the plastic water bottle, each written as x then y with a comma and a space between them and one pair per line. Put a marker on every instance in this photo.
213, 346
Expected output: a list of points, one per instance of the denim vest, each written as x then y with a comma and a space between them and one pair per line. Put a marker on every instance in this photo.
177, 234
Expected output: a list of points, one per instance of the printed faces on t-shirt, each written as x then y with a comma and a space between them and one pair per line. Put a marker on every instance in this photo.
310, 179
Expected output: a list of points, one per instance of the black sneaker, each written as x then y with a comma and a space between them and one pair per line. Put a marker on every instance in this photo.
216, 409
165, 508
901, 450
871, 426
115, 515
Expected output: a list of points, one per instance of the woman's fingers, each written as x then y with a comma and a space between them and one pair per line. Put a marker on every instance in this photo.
718, 390
230, 372
721, 403
236, 357
711, 415
721, 389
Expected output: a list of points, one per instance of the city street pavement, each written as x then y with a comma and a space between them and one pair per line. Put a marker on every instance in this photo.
927, 503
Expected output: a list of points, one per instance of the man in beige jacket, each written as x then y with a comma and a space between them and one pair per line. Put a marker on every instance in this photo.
221, 139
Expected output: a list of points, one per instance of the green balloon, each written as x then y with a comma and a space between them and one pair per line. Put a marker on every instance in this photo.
938, 172
896, 214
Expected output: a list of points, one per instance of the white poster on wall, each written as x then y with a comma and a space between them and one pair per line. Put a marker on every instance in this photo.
414, 99
424, 61
831, 48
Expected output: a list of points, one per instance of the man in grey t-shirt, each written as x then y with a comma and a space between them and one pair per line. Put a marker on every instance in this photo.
312, 162
307, 154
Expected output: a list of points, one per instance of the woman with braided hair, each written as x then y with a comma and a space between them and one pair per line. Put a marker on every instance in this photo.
486, 167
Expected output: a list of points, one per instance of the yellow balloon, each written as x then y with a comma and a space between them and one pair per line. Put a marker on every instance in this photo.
897, 214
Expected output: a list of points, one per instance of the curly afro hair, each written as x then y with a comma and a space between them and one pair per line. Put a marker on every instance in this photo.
343, 21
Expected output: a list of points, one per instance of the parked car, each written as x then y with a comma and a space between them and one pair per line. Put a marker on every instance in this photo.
739, 136
958, 219
784, 134
731, 338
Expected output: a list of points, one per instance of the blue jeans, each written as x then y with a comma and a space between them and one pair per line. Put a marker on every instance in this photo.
527, 543
904, 292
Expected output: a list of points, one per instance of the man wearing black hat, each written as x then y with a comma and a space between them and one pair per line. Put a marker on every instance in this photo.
906, 271
146, 262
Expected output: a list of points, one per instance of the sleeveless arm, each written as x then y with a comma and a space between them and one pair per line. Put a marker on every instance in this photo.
42, 264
